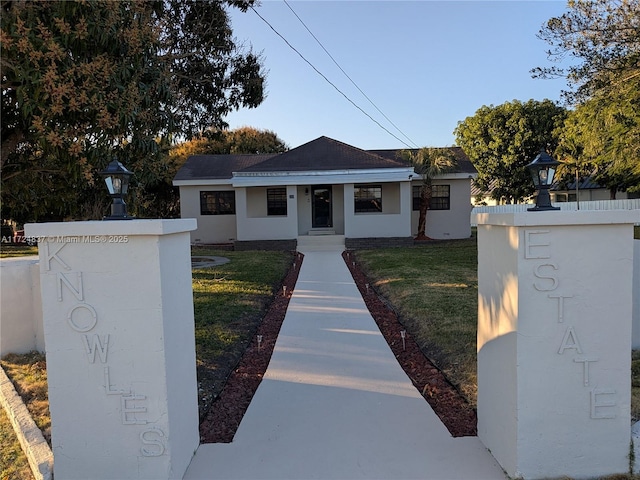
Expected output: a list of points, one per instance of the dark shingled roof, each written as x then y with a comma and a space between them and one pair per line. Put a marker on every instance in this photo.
320, 154
324, 154
464, 164
212, 167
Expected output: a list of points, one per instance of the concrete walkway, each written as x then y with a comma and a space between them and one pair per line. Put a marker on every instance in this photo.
335, 404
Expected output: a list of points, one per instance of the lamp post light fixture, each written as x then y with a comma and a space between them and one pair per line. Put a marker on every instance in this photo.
116, 176
543, 169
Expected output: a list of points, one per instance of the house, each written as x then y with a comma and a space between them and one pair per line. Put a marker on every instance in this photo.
560, 192
324, 187
588, 190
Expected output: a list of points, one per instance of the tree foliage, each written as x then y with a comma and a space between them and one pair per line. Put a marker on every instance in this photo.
501, 140
84, 80
242, 140
428, 163
602, 40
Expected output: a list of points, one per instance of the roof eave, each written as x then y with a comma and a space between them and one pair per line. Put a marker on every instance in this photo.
319, 177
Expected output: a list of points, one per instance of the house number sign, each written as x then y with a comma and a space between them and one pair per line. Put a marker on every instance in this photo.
548, 275
83, 319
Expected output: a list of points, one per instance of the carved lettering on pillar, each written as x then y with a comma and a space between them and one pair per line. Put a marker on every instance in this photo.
585, 369
82, 322
603, 401
96, 345
548, 281
153, 441
46, 246
570, 341
130, 405
82, 318
534, 246
561, 299
107, 384
538, 248
76, 290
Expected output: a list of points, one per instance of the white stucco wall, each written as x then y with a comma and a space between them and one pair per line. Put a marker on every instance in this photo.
20, 306
394, 221
211, 228
253, 223
448, 224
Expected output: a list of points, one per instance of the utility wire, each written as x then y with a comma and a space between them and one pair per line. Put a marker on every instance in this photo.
329, 81
346, 75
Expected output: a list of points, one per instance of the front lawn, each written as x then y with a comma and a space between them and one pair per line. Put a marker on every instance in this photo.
434, 289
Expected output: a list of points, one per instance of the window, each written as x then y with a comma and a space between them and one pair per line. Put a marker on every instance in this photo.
276, 201
440, 197
218, 203
368, 198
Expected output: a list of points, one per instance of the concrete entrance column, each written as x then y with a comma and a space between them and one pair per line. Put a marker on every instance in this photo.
119, 338
554, 341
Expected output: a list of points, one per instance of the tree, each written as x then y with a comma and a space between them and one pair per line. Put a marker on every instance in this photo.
428, 163
602, 37
82, 81
597, 139
501, 140
241, 140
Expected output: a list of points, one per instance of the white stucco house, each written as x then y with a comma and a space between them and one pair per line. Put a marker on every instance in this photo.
324, 187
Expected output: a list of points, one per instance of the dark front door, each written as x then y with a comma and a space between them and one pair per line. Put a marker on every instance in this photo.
321, 206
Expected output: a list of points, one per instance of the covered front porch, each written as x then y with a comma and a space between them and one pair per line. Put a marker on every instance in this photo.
379, 209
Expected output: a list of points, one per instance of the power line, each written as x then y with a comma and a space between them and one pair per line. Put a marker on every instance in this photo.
346, 75
329, 81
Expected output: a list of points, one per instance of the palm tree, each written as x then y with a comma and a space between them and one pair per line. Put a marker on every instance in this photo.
573, 162
428, 163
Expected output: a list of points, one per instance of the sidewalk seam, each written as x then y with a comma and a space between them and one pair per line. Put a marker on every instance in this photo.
35, 447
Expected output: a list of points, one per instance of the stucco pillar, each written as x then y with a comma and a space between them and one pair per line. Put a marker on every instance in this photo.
554, 341
119, 339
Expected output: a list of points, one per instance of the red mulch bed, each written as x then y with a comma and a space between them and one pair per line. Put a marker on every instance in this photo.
223, 419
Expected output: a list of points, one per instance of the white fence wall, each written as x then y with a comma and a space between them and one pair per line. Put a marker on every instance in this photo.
20, 306
628, 204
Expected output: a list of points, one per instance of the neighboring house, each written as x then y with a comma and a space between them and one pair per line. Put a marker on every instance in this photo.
483, 197
588, 190
324, 187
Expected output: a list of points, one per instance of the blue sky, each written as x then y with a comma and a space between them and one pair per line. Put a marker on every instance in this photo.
425, 64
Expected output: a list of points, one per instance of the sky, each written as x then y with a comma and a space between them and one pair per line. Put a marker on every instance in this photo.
426, 65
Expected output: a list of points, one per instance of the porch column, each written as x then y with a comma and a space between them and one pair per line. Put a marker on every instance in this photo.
554, 341
119, 339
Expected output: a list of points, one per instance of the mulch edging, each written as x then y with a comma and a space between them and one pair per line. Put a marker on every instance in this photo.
226, 412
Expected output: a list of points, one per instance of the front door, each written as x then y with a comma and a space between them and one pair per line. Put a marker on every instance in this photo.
321, 206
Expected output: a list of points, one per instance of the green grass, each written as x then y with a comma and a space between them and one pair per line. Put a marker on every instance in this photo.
434, 288
29, 375
9, 251
230, 299
13, 463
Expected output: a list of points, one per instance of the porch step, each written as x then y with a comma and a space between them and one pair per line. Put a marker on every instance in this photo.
321, 231
320, 242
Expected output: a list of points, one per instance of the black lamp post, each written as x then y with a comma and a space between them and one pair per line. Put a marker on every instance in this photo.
543, 169
116, 176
